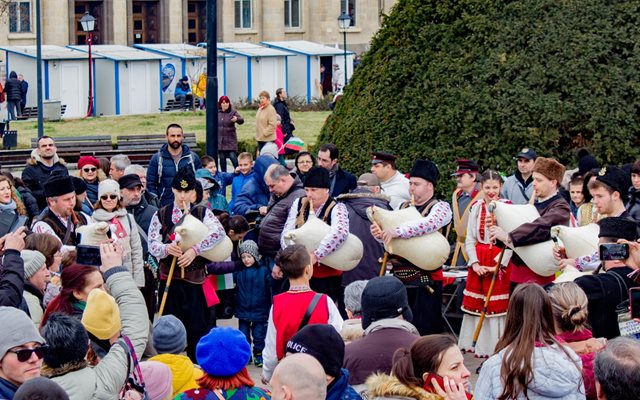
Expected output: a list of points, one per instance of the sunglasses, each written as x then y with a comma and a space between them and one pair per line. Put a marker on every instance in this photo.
109, 196
25, 354
89, 169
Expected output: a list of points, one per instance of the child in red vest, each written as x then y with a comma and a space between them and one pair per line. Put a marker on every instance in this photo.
296, 308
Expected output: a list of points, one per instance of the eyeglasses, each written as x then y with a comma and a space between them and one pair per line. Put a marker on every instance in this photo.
109, 196
25, 354
89, 169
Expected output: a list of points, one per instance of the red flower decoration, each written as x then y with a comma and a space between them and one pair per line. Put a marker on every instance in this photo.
172, 237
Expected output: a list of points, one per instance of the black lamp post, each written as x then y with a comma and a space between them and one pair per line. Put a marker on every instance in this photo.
344, 22
88, 23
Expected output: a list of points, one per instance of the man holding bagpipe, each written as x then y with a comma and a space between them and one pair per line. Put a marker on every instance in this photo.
187, 300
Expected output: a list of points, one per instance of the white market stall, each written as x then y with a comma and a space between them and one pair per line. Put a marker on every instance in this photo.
185, 59
254, 69
128, 80
304, 67
65, 75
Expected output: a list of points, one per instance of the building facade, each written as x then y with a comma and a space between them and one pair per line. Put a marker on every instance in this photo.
128, 22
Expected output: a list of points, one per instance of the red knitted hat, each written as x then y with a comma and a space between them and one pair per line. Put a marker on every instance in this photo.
84, 160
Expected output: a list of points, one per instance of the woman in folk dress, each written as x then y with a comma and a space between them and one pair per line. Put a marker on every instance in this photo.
482, 261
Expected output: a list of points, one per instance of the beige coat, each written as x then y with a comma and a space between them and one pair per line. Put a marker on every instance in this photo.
266, 120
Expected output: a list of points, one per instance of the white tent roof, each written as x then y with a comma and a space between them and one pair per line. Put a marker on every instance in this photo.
49, 52
179, 50
307, 48
120, 53
252, 50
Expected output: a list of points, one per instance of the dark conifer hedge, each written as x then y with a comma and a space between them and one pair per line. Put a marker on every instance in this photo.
447, 79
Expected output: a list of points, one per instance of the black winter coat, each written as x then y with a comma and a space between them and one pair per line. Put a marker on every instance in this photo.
13, 88
34, 176
11, 279
285, 118
143, 213
633, 206
344, 183
30, 202
357, 203
273, 223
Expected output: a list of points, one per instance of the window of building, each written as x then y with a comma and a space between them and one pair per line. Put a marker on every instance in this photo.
244, 14
292, 13
20, 16
350, 7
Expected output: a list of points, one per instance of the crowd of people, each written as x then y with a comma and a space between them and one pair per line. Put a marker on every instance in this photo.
100, 295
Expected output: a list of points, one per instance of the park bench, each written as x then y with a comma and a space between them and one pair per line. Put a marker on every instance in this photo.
173, 105
140, 148
14, 159
32, 112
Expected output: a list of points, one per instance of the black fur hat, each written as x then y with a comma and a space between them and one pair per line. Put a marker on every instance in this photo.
427, 170
67, 339
184, 180
317, 177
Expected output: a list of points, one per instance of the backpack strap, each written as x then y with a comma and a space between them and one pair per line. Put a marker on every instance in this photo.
159, 168
310, 309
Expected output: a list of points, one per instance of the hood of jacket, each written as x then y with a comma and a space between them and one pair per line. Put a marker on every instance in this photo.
260, 167
183, 371
361, 199
34, 159
391, 323
77, 379
389, 387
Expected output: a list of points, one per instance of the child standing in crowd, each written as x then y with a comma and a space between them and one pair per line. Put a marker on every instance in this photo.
212, 199
253, 294
577, 197
245, 169
482, 255
224, 179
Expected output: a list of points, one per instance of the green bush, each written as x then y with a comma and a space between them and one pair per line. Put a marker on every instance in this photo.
480, 79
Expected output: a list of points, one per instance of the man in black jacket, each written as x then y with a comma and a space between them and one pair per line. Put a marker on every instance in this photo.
43, 163
285, 188
13, 90
341, 180
131, 189
12, 269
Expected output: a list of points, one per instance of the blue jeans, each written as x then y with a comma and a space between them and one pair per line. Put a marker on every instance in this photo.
256, 329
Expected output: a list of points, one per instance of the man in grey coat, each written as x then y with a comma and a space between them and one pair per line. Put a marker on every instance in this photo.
519, 187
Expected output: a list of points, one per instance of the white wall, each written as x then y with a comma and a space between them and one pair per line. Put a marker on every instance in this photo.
269, 74
105, 102
69, 83
237, 82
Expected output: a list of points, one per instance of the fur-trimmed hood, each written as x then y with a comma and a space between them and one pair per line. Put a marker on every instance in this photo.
34, 159
381, 386
64, 369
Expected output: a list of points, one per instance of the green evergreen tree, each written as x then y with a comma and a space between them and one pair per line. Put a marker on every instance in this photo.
447, 79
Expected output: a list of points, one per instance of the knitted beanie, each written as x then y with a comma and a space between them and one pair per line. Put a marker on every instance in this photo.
88, 160
223, 352
169, 335
157, 379
17, 329
250, 247
108, 186
33, 261
101, 316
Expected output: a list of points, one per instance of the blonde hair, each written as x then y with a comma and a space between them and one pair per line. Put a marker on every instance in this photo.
569, 303
99, 174
15, 195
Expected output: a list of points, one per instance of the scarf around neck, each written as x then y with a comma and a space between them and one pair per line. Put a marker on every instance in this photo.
103, 215
11, 206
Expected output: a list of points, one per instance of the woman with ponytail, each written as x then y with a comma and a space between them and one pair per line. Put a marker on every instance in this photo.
433, 369
530, 363
570, 313
76, 281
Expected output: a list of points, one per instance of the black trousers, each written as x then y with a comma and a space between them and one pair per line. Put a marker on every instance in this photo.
186, 302
426, 308
331, 286
222, 158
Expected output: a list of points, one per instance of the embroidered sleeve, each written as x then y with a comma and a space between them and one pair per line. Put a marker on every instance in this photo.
216, 233
589, 262
337, 235
472, 232
43, 227
156, 247
439, 216
290, 224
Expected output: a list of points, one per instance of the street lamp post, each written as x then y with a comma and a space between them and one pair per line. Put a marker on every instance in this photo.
344, 21
88, 23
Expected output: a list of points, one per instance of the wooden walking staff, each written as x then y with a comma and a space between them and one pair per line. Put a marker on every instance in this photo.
165, 294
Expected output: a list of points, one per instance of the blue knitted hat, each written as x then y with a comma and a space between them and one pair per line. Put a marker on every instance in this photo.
223, 352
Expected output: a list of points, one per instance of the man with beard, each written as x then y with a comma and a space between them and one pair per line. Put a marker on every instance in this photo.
341, 180
131, 190
59, 219
167, 161
43, 163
